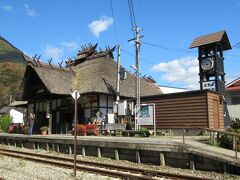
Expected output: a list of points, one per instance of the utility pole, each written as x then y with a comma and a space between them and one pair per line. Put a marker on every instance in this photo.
137, 86
118, 76
118, 81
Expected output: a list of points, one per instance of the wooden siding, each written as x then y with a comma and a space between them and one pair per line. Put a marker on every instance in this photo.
213, 97
194, 108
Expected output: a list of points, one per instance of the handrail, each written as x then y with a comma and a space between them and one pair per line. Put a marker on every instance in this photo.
234, 135
210, 129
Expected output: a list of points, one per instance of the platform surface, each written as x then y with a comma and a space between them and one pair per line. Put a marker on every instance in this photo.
192, 143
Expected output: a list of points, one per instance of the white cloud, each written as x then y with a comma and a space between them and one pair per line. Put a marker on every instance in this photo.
72, 45
184, 70
7, 8
101, 25
53, 52
30, 11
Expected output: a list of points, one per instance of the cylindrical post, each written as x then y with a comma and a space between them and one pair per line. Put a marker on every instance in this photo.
75, 134
99, 152
154, 119
183, 134
69, 149
116, 154
47, 146
58, 149
192, 165
213, 140
236, 149
118, 75
138, 159
162, 159
83, 151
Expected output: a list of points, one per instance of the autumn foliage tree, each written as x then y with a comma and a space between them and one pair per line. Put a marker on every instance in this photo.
11, 75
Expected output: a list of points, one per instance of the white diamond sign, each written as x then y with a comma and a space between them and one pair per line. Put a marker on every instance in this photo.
73, 94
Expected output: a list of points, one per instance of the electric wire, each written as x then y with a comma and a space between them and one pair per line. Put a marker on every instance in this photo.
131, 16
168, 48
144, 59
114, 24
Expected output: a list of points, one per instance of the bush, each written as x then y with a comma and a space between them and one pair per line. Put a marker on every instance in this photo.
235, 124
143, 129
25, 129
5, 121
44, 128
226, 141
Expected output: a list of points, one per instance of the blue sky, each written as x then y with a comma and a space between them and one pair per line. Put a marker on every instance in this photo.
58, 28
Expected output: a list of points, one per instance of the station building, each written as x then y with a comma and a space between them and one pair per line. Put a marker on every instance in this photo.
48, 88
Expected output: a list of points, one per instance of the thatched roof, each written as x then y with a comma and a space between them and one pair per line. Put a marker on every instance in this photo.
96, 75
56, 80
99, 75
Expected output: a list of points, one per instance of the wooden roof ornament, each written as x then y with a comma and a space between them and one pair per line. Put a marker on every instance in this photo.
103, 53
86, 51
217, 37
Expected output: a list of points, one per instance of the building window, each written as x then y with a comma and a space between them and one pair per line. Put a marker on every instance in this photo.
235, 100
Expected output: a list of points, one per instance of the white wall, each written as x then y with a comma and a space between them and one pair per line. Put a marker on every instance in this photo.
17, 117
167, 90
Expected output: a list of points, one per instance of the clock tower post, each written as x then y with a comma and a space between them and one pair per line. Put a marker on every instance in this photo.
211, 60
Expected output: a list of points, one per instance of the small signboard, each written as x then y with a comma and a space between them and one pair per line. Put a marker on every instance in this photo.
209, 85
73, 94
145, 115
113, 126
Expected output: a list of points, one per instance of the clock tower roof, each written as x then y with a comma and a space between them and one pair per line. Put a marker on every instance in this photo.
212, 38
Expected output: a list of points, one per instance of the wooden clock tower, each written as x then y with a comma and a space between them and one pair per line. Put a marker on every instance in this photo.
211, 60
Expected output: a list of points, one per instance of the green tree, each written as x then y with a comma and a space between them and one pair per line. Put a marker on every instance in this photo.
11, 75
5, 121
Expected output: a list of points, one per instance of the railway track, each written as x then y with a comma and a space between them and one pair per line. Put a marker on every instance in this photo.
99, 168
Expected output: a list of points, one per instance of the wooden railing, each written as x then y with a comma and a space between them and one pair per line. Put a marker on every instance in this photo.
235, 136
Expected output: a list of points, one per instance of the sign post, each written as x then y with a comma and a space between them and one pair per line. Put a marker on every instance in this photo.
145, 114
75, 96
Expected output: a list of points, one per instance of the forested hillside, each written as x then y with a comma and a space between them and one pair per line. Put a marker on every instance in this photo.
12, 67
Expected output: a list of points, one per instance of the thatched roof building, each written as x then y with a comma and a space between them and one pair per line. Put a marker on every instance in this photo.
90, 72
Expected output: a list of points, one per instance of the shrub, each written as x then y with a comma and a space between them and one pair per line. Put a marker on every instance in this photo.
25, 129
226, 141
143, 129
5, 121
235, 124
44, 128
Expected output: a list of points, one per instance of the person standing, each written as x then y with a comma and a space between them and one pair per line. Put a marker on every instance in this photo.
31, 123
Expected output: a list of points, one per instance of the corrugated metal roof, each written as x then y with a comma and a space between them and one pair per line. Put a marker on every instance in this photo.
232, 88
220, 36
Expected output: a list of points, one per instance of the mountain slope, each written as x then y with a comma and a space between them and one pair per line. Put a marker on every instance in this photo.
9, 53
12, 67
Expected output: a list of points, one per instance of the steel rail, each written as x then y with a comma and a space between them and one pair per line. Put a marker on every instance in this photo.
148, 173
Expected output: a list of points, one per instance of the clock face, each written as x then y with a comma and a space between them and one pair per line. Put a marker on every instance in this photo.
207, 64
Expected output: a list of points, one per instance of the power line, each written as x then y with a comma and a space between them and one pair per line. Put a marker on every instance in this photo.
168, 48
144, 59
237, 45
114, 24
133, 14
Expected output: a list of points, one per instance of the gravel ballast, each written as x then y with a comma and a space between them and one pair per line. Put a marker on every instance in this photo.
11, 168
